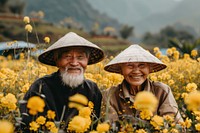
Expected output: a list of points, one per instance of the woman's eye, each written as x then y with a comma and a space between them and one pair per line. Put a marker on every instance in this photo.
142, 65
130, 66
80, 57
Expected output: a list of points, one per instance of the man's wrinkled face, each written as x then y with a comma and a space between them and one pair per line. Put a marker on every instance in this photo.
72, 65
73, 60
135, 73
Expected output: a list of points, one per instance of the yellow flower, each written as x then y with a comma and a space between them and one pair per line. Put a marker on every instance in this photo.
194, 53
9, 98
51, 114
198, 59
193, 101
157, 122
148, 103
35, 105
91, 104
184, 95
191, 87
25, 88
75, 105
141, 131
169, 118
164, 131
197, 126
146, 114
156, 49
41, 120
158, 54
6, 127
21, 56
103, 127
85, 112
171, 82
28, 28
176, 55
1, 94
78, 124
188, 122
9, 57
50, 125
47, 39
79, 98
9, 101
34, 126
173, 49
26, 20
173, 130
54, 130
169, 52
186, 56
153, 78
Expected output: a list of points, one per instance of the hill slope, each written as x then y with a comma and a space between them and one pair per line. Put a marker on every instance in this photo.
80, 10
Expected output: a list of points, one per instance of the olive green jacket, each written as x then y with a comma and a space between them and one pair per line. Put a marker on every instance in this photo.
120, 102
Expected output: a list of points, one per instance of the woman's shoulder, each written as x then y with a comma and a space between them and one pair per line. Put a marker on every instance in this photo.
160, 86
111, 90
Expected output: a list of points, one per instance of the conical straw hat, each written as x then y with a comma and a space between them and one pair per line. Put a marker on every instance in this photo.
71, 40
134, 53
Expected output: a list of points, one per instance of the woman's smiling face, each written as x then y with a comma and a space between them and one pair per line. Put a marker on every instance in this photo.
135, 73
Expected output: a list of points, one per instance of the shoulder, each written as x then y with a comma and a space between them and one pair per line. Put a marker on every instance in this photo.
90, 82
111, 91
92, 86
159, 86
42, 81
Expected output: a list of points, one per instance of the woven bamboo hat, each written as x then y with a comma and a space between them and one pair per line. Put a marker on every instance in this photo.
134, 53
71, 40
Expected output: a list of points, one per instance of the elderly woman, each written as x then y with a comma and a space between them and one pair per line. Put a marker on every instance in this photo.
135, 64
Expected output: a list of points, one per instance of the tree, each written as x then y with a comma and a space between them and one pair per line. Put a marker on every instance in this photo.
184, 46
3, 6
162, 38
126, 31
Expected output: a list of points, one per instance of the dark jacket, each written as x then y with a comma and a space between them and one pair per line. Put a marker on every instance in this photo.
57, 94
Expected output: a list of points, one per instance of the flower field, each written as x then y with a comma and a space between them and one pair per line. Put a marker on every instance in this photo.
182, 75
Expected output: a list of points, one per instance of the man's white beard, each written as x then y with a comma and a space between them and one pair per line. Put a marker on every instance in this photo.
72, 80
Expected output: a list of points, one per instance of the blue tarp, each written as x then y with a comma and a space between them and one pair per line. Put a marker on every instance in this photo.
15, 45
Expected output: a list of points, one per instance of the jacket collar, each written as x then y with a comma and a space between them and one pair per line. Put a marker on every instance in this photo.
125, 94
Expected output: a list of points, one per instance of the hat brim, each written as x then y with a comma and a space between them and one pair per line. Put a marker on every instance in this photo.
96, 55
116, 68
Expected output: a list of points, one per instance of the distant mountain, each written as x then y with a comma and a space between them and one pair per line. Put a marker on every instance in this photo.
132, 11
185, 13
80, 10
152, 15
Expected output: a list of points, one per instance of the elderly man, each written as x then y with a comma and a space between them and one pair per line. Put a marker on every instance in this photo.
71, 54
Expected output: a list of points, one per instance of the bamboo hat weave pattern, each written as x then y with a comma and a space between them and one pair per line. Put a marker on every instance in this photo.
71, 39
134, 53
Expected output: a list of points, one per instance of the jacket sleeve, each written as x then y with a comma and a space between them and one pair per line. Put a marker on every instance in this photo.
167, 103
108, 112
97, 103
26, 117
